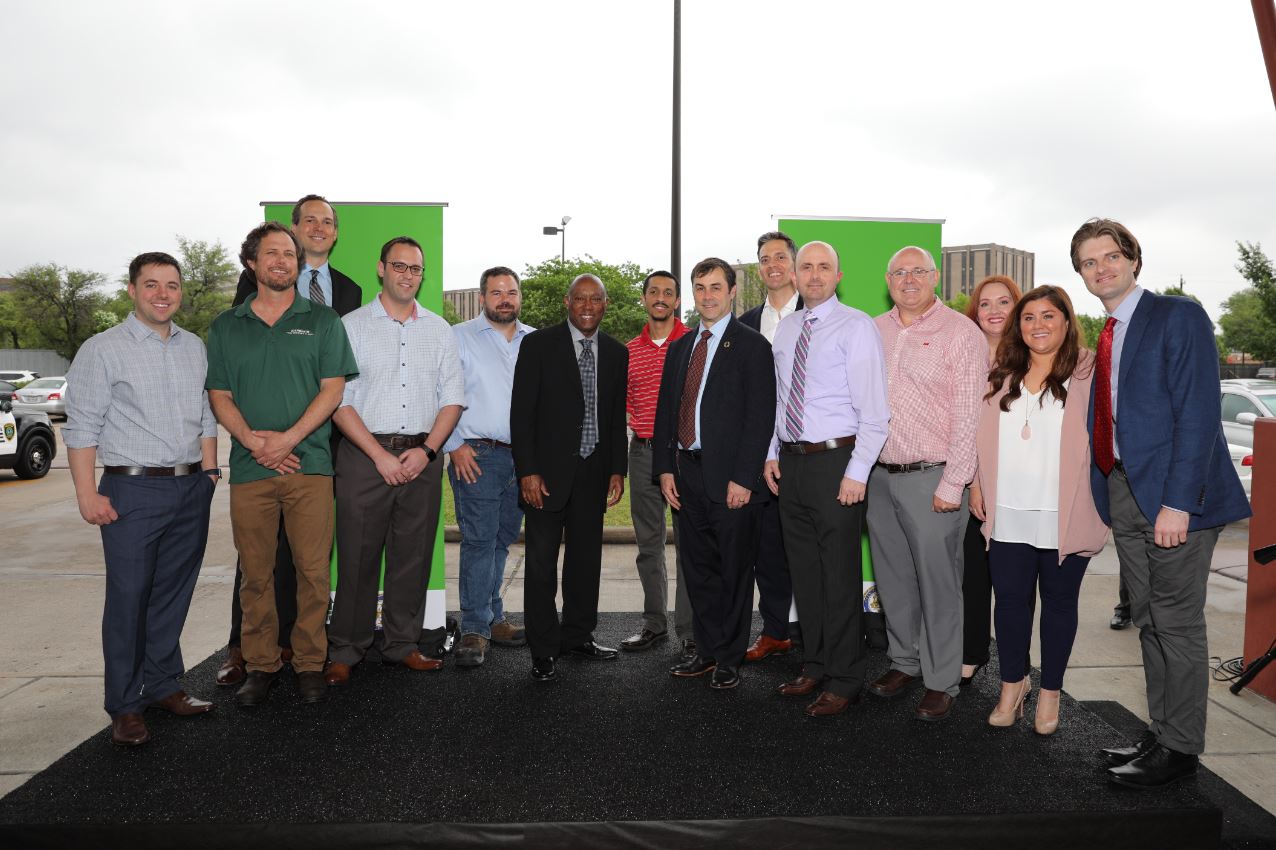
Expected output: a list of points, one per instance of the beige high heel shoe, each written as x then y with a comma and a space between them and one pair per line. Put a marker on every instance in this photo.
1008, 718
1045, 722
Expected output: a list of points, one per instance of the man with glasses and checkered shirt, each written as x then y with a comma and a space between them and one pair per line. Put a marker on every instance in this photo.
396, 416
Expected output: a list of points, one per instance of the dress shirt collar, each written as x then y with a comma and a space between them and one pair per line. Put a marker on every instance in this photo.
788, 307
822, 311
485, 326
577, 336
1125, 310
298, 305
930, 311
139, 330
380, 312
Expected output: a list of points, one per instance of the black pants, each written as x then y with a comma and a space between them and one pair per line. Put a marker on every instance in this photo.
822, 540
976, 595
718, 546
579, 525
771, 572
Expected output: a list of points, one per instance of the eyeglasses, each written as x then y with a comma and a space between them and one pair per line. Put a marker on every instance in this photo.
900, 274
404, 267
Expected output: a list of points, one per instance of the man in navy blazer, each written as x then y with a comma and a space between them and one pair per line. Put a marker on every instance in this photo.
315, 223
713, 427
1162, 478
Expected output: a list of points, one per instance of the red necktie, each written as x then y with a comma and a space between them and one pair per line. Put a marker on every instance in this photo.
1103, 454
690, 390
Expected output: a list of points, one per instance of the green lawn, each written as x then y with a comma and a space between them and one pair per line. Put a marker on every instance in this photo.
618, 515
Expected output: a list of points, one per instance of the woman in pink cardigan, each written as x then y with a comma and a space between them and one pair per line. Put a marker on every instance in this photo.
1032, 491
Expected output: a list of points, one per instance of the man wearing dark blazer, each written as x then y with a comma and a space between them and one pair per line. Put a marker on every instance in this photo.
713, 427
315, 223
777, 255
567, 430
1162, 478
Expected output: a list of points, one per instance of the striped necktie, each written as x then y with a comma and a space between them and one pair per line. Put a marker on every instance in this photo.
797, 386
316, 293
588, 429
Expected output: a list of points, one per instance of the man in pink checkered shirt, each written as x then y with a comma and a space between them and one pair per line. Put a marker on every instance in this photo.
936, 367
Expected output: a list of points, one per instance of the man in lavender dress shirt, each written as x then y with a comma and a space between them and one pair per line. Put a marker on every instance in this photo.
830, 424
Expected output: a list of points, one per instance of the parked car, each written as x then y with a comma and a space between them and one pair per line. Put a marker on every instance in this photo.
19, 376
1267, 372
1244, 401
7, 389
27, 445
43, 395
1243, 463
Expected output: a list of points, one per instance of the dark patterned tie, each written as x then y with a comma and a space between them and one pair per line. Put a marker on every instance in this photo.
690, 390
797, 386
316, 294
588, 430
1104, 455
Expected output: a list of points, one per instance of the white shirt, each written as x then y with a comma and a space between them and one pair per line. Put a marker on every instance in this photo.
1028, 471
771, 317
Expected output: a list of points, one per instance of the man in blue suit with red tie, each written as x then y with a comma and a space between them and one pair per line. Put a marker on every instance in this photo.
1163, 480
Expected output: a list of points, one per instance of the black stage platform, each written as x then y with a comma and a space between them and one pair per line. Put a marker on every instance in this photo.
614, 754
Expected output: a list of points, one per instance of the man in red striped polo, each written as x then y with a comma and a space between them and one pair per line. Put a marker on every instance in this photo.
660, 298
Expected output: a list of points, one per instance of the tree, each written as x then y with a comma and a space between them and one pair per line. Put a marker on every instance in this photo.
749, 288
15, 325
1256, 267
61, 303
959, 302
1179, 291
545, 286
1246, 327
1090, 328
449, 313
208, 280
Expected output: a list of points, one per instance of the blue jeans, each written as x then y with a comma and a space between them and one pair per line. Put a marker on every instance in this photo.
489, 516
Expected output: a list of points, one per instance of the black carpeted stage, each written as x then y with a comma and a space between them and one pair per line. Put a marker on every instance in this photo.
613, 754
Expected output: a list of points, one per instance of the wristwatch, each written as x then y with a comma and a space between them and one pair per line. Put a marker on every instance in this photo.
215, 471
429, 452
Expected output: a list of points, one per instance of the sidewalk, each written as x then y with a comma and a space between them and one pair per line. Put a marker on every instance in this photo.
51, 579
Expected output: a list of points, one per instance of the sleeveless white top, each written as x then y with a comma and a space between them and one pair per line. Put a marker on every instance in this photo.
1028, 471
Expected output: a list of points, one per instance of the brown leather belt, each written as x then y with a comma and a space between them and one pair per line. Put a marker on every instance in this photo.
920, 466
484, 441
154, 471
802, 447
400, 441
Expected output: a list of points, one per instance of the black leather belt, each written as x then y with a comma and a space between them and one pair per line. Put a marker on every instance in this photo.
484, 441
400, 441
645, 442
802, 447
920, 466
154, 471
693, 454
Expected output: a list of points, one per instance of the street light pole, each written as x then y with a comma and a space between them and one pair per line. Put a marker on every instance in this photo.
553, 231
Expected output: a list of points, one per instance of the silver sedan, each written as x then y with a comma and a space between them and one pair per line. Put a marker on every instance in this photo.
43, 395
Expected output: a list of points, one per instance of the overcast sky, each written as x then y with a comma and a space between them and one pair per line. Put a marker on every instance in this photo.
127, 123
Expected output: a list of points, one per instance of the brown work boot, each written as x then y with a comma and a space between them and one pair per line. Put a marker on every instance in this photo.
472, 652
505, 633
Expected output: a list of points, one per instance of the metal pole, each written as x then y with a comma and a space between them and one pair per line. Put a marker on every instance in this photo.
675, 215
1265, 19
563, 256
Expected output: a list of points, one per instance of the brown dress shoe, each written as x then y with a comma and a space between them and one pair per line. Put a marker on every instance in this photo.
183, 704
285, 654
891, 684
935, 705
232, 671
336, 673
129, 730
801, 686
414, 660
828, 704
766, 645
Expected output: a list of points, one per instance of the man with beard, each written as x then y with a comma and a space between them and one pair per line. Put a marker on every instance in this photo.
482, 469
646, 361
277, 367
314, 221
395, 416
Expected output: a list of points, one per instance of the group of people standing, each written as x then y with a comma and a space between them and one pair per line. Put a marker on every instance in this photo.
777, 438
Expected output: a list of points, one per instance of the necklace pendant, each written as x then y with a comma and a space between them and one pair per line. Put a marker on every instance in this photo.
1026, 433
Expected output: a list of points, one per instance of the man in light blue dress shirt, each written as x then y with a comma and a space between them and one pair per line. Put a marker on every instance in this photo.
482, 470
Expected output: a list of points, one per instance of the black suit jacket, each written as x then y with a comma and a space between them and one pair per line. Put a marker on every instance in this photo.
346, 294
737, 412
547, 409
753, 318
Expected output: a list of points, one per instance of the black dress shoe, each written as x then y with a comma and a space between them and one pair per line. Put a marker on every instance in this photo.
255, 689
643, 640
966, 680
1124, 755
1120, 618
594, 652
543, 669
688, 650
312, 687
724, 678
1156, 768
697, 666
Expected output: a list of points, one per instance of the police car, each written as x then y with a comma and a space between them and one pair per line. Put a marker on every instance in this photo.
27, 445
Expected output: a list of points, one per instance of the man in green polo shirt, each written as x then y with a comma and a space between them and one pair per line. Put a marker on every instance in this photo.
277, 367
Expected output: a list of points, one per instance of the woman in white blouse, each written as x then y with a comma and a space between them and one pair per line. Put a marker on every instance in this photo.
1032, 492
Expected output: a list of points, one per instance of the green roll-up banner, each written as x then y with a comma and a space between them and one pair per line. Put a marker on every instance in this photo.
865, 247
362, 228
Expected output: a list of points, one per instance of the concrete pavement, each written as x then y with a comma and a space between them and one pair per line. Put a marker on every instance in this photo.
51, 585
